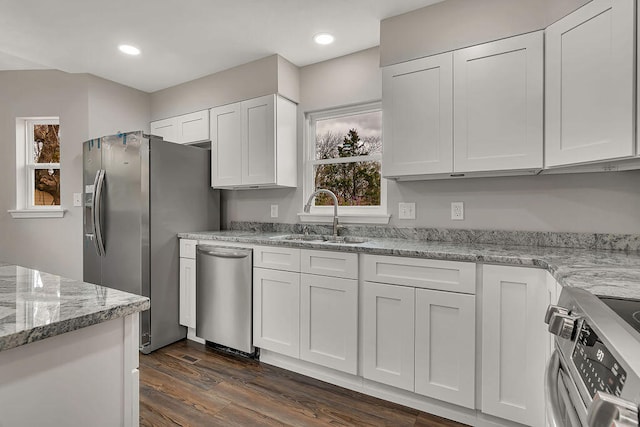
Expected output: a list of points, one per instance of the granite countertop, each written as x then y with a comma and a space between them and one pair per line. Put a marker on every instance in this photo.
602, 272
35, 305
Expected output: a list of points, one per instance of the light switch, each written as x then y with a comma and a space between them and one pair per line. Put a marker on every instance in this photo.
274, 211
77, 199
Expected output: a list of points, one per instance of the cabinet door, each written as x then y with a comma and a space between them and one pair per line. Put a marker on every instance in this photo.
589, 84
276, 311
498, 105
514, 342
188, 292
258, 141
226, 146
329, 322
446, 346
166, 128
388, 334
193, 127
417, 103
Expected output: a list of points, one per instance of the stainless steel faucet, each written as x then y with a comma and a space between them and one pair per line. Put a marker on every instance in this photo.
307, 207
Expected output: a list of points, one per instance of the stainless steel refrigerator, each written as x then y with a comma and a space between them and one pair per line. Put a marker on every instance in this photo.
139, 192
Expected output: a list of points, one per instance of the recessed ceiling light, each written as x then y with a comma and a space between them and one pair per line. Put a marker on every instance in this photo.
323, 38
129, 50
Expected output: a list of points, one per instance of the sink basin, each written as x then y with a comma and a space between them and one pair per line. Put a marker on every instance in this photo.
322, 238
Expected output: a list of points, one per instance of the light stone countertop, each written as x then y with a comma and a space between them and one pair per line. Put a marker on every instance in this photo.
35, 305
602, 272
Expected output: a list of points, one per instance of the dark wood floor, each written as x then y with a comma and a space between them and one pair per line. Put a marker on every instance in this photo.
216, 389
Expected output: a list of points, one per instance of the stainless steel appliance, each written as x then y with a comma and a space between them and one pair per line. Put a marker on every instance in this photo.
593, 376
223, 296
139, 192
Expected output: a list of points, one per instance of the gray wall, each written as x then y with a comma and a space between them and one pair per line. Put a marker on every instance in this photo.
597, 202
88, 107
454, 24
246, 81
342, 81
114, 108
53, 244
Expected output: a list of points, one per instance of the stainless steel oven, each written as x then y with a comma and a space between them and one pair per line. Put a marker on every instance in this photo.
593, 376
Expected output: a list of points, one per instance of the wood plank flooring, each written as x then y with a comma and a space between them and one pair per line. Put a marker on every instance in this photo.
188, 384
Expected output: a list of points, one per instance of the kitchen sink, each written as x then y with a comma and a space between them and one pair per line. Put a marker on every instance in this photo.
322, 238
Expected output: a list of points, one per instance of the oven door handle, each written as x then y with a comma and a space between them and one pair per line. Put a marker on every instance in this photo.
551, 390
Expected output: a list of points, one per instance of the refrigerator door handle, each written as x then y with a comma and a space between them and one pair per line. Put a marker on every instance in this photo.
96, 208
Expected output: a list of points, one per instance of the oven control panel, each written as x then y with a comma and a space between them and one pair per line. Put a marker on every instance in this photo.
598, 368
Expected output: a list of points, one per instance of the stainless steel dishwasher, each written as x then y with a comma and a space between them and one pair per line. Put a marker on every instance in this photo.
223, 296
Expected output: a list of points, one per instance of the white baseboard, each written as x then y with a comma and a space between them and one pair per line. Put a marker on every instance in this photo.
191, 335
385, 392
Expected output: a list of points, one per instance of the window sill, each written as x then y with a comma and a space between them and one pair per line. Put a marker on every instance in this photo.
345, 218
37, 213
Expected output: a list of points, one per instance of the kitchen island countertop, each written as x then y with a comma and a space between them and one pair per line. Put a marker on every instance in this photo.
35, 305
602, 272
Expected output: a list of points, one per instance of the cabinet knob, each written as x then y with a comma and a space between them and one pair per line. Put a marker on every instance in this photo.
562, 325
551, 310
608, 410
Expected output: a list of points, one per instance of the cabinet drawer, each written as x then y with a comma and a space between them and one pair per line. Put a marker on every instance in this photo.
327, 263
277, 258
421, 273
188, 248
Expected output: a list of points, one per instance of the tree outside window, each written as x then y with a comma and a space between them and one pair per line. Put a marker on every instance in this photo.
346, 156
43, 168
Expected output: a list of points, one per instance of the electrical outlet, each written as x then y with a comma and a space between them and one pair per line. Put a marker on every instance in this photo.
406, 210
457, 211
274, 211
77, 199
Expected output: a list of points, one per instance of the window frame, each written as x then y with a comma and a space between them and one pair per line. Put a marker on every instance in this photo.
25, 167
347, 214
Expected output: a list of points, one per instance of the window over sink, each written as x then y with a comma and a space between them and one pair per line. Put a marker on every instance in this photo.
344, 154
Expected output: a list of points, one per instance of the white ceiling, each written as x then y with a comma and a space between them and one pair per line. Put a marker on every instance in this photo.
183, 39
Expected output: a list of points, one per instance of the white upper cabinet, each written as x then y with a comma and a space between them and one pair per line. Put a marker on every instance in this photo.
258, 137
193, 127
253, 144
498, 105
475, 110
184, 129
417, 104
226, 149
590, 84
166, 128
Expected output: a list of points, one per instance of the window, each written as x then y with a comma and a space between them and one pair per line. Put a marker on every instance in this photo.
344, 155
38, 168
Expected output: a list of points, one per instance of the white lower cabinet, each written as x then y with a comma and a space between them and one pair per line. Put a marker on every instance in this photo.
329, 322
188, 292
187, 267
276, 311
388, 331
445, 339
420, 340
514, 343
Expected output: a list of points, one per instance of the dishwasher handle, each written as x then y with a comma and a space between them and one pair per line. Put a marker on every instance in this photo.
223, 252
